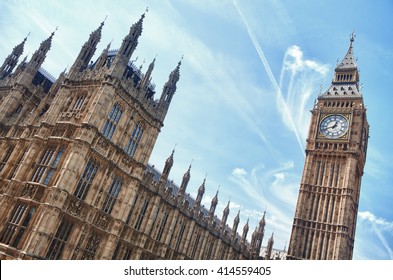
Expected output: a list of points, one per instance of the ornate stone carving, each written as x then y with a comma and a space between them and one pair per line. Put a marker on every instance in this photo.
29, 191
74, 207
102, 221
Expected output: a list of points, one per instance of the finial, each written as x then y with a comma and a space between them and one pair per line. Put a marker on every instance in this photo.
352, 36
147, 9
320, 89
28, 34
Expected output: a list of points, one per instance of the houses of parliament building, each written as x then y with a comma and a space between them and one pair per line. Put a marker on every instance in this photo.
75, 182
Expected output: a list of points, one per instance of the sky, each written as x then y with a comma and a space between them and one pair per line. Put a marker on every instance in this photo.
250, 73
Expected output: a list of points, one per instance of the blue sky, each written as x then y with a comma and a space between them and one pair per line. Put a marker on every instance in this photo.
250, 74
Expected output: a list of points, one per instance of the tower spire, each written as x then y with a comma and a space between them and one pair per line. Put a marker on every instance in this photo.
38, 58
128, 46
170, 88
11, 61
245, 231
213, 204
235, 225
225, 215
346, 76
87, 52
349, 61
144, 83
167, 167
101, 61
184, 183
269, 247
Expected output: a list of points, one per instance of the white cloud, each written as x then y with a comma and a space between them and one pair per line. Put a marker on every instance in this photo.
299, 80
239, 172
381, 228
380, 222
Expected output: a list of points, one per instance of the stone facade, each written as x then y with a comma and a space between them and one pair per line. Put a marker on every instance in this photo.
325, 218
75, 182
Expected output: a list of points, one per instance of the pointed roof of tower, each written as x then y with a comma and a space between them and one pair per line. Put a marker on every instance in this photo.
19, 48
345, 81
169, 160
97, 33
215, 199
170, 86
202, 187
43, 49
187, 174
237, 218
348, 61
226, 210
246, 226
48, 42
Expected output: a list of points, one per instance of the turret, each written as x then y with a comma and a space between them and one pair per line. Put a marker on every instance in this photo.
86, 53
128, 46
184, 183
201, 192
12, 60
37, 59
245, 232
101, 61
235, 225
225, 216
269, 247
167, 167
169, 90
257, 237
213, 206
145, 81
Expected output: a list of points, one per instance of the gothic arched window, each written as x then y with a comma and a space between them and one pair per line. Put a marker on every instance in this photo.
47, 165
59, 240
132, 144
17, 224
86, 180
112, 121
112, 194
79, 101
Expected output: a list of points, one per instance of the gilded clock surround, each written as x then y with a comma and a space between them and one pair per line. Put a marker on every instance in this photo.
325, 116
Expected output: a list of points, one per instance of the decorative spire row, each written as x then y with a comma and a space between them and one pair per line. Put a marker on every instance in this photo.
257, 235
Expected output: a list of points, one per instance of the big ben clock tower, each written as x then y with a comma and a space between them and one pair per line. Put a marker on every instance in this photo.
326, 211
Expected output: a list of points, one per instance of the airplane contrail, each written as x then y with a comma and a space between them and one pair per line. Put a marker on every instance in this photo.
271, 76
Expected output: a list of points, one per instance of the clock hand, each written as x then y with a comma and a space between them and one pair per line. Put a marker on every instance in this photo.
333, 126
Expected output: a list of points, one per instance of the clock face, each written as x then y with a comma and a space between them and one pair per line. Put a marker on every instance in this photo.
334, 126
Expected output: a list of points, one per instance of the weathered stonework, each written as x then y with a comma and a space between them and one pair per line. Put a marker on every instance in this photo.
75, 182
325, 218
